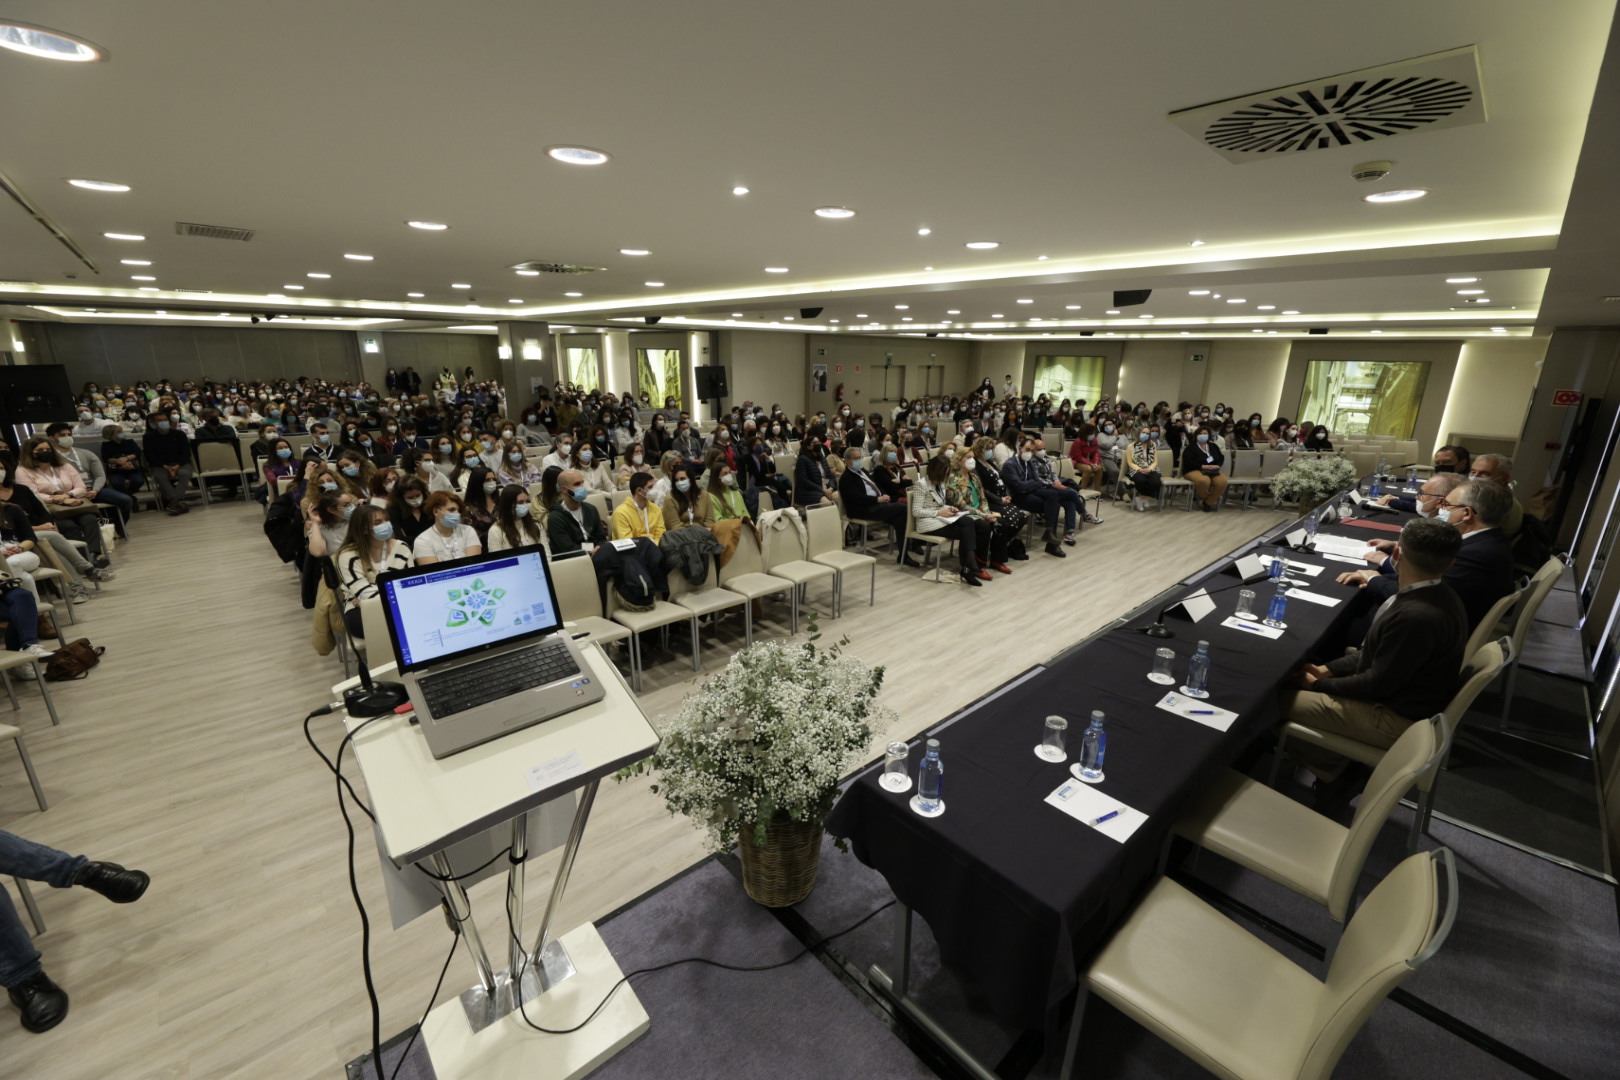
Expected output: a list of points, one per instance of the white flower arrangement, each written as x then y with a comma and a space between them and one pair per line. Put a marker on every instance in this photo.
769, 738
1314, 477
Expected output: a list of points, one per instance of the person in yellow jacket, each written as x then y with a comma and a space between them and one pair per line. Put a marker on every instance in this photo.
635, 516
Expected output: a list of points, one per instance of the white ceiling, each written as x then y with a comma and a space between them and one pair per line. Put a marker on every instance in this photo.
1042, 126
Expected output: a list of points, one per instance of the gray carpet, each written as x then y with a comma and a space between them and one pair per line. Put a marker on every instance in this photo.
1531, 963
794, 1023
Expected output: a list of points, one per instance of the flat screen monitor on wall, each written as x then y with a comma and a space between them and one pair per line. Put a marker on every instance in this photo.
34, 394
1364, 397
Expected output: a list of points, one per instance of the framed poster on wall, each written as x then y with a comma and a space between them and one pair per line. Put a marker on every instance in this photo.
818, 378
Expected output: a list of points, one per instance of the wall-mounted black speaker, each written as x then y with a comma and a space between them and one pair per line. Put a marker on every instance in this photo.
711, 382
35, 394
933, 333
1087, 333
651, 320
809, 312
1318, 330
1131, 297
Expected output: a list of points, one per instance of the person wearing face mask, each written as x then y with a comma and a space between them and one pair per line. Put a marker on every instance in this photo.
353, 473
321, 444
1086, 455
1318, 439
863, 499
687, 504
887, 474
574, 524
407, 509
278, 466
561, 456
1144, 475
518, 521
932, 515
813, 481
1111, 444
595, 467
1430, 494
369, 548
381, 485
90, 426
991, 536
1453, 458
1033, 492
658, 438
121, 459
168, 452
478, 502
447, 538
632, 461
1202, 464
515, 466
1483, 571
687, 443
94, 474
1242, 438
489, 452
636, 517
532, 430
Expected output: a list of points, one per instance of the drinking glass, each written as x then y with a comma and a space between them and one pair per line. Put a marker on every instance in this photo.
895, 776
1245, 608
1052, 739
1162, 661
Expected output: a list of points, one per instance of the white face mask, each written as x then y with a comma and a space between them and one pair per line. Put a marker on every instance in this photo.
1425, 509
636, 459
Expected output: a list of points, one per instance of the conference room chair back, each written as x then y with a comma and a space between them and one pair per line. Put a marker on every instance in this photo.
1491, 624
603, 506
827, 548
299, 444
1171, 478
216, 459
786, 556
616, 497
1273, 462
1541, 583
711, 599
1237, 1006
745, 573
660, 617
934, 543
579, 599
374, 623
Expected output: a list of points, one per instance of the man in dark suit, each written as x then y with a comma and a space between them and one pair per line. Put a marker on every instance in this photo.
863, 499
1408, 667
1483, 571
1430, 494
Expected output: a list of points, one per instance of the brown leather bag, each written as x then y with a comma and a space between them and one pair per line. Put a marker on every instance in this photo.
73, 661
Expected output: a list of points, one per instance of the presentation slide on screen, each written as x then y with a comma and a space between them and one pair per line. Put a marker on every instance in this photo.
448, 612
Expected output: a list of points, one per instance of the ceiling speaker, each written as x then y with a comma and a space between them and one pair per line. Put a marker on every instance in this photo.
651, 320
1087, 333
1131, 297
809, 312
1318, 330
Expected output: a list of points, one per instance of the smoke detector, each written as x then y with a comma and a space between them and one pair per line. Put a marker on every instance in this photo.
1369, 171
1425, 93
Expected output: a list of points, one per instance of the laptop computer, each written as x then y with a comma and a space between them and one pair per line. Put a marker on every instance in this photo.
480, 647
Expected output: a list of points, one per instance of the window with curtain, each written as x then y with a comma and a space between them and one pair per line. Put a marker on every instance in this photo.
1363, 397
658, 375
585, 368
1071, 377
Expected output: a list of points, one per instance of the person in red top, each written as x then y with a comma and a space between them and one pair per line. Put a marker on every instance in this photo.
1087, 458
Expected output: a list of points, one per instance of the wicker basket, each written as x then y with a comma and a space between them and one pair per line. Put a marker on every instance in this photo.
783, 872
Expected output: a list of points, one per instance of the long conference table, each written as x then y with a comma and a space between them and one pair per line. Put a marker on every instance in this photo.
1019, 893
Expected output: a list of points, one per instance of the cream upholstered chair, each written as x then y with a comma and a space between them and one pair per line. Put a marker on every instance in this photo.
827, 548
1541, 583
580, 599
745, 574
215, 459
1488, 625
9, 661
936, 543
1170, 478
1265, 831
604, 506
787, 558
661, 616
1477, 673
709, 600
1245, 473
1242, 1010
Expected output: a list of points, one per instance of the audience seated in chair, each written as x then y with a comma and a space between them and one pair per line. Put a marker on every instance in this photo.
448, 537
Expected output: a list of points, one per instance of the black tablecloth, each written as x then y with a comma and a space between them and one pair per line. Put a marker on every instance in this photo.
1019, 894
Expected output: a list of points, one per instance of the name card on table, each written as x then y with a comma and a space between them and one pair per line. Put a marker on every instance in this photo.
1315, 598
1195, 605
1198, 710
1235, 623
1086, 804
1251, 566
1355, 497
1295, 539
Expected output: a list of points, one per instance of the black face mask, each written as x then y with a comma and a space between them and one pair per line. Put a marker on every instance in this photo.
1445, 468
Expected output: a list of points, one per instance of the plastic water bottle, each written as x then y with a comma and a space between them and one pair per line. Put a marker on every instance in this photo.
1383, 467
1278, 609
1198, 671
1092, 746
1279, 566
930, 778
1311, 525
1411, 477
1377, 487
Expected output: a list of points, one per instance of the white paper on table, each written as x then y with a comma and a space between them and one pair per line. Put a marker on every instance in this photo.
1370, 505
1259, 629
1315, 598
1086, 804
1363, 563
1182, 705
1196, 604
1342, 545
1304, 568
549, 773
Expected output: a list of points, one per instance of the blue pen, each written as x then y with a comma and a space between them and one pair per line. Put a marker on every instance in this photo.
1252, 629
1201, 712
1094, 822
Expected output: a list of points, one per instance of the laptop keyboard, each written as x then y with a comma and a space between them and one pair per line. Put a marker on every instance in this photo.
472, 685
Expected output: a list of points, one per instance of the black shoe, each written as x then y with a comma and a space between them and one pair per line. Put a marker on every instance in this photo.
42, 1002
1333, 796
113, 881
1049, 537
1056, 549
913, 563
1020, 558
970, 577
101, 562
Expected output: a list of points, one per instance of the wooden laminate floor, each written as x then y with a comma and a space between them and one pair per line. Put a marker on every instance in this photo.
183, 755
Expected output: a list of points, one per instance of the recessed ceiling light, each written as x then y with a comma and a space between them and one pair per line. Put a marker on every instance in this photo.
142, 277
358, 258
460, 285
1290, 311
1377, 331
787, 318
1461, 280
577, 155
430, 226
928, 268
997, 315
1266, 307
294, 288
1480, 300
862, 315
528, 273
738, 315
905, 318
136, 262
1262, 331
315, 275
982, 245
1399, 195
776, 269
834, 212
739, 190
1197, 292
1196, 243
1216, 296
47, 44
98, 185
1071, 307
1042, 258
832, 320
1498, 329
573, 294
150, 288
415, 295
1185, 333
1237, 300
1111, 311
954, 311
1026, 301
1144, 315
925, 232
514, 300
634, 251
123, 236
1470, 292
902, 307
653, 284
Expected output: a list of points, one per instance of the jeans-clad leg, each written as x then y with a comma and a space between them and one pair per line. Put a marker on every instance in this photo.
19, 960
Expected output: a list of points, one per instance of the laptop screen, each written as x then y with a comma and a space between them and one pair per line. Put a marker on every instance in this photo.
448, 609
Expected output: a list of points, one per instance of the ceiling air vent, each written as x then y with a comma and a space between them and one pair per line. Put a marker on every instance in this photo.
212, 232
556, 268
1423, 94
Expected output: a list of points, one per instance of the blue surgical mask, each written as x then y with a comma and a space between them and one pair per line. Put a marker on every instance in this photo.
521, 510
384, 531
350, 470
348, 512
283, 452
515, 457
328, 485
325, 439
580, 493
450, 520
585, 455
470, 459
683, 485
1143, 436
1203, 437
164, 425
